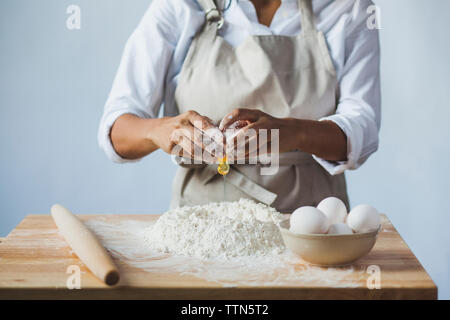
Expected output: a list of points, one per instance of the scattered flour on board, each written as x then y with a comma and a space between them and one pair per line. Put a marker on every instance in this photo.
218, 230
230, 243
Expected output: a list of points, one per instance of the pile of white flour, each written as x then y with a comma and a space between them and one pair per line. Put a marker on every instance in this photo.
218, 230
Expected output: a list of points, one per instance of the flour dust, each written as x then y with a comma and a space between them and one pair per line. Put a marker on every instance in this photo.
230, 243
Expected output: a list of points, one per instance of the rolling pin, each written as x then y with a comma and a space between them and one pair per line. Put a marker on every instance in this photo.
85, 245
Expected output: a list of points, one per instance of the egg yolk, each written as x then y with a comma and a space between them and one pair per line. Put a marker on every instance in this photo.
223, 167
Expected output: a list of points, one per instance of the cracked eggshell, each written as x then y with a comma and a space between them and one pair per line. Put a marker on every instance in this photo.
308, 220
334, 209
363, 218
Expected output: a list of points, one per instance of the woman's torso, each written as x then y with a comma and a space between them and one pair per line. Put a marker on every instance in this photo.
285, 76
242, 22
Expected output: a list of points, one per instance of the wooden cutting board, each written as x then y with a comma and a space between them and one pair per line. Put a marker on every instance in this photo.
34, 259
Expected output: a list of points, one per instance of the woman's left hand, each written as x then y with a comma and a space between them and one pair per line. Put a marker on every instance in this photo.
244, 128
324, 139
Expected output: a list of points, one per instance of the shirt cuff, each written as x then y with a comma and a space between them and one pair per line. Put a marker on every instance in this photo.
104, 138
355, 134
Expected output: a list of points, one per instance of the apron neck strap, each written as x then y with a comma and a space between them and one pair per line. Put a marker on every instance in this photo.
213, 14
211, 10
307, 16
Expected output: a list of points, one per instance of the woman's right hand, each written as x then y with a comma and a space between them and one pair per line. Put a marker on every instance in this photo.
189, 135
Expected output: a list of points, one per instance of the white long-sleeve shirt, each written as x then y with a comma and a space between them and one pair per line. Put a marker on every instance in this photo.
154, 54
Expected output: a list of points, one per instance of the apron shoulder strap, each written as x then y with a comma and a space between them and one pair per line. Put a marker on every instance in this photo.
306, 15
211, 10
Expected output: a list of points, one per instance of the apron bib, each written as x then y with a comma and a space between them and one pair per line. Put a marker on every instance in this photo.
280, 75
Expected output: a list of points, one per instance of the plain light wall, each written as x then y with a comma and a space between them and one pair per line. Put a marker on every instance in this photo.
54, 82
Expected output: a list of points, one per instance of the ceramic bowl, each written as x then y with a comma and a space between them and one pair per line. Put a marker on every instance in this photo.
328, 249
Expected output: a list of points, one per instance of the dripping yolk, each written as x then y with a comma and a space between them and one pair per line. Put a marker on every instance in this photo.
223, 167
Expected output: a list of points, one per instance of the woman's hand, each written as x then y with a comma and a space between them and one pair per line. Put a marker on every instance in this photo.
322, 138
188, 135
242, 127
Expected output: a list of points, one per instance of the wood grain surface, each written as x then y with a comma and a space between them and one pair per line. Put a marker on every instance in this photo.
34, 259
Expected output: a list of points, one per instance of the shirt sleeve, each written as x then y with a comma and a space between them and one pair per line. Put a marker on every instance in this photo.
358, 112
138, 87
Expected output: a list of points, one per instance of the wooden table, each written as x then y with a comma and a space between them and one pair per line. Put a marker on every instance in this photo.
34, 259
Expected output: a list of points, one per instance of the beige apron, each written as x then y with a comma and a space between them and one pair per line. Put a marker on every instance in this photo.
280, 75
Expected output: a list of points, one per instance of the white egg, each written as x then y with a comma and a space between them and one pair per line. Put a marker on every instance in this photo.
363, 218
308, 220
340, 228
334, 209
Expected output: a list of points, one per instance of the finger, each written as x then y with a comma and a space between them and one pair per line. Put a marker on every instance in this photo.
192, 142
207, 127
249, 141
201, 151
249, 131
192, 151
243, 143
214, 138
201, 122
181, 145
239, 124
250, 115
212, 145
242, 135
231, 132
183, 150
